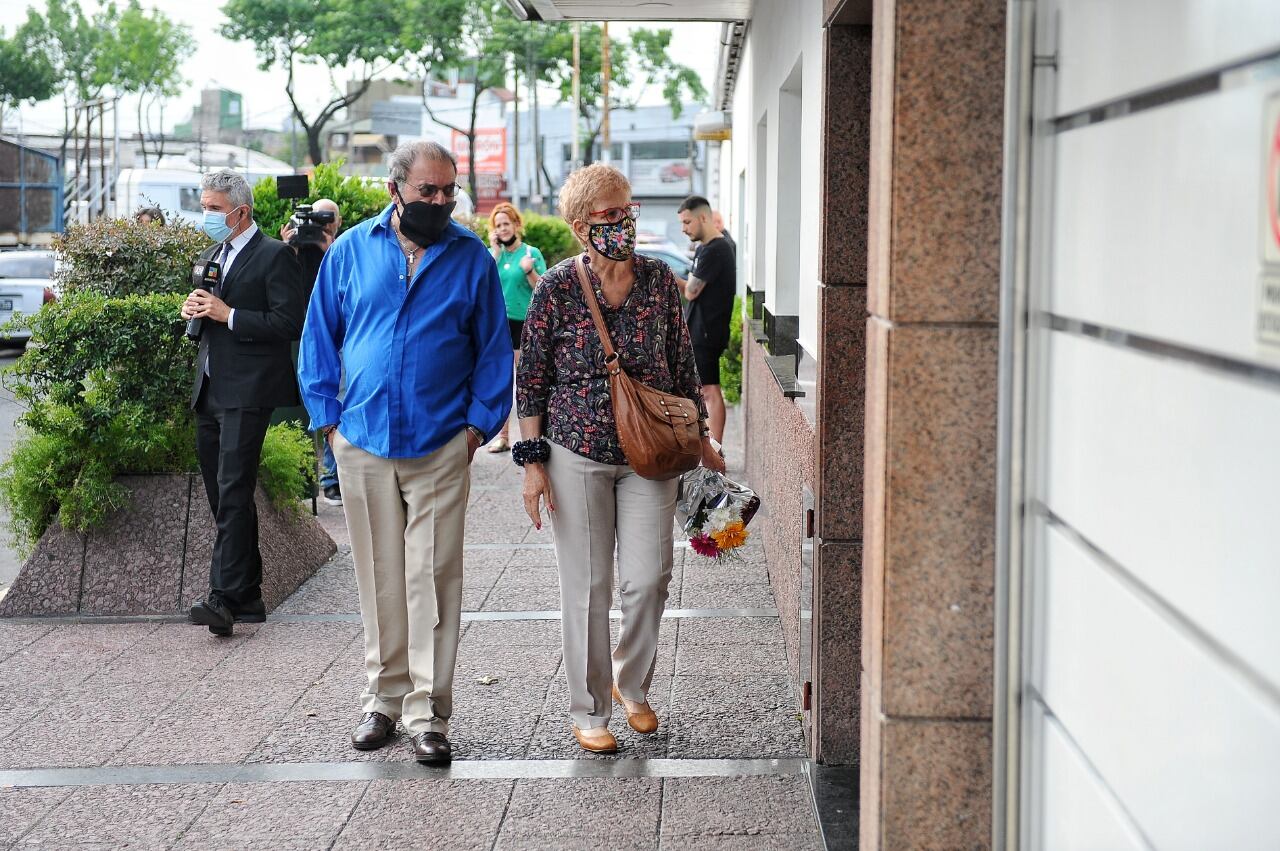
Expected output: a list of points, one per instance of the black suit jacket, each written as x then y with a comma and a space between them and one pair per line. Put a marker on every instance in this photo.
252, 366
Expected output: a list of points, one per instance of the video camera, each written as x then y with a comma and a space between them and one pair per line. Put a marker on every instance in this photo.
308, 224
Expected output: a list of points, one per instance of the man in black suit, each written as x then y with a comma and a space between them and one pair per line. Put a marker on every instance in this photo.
244, 369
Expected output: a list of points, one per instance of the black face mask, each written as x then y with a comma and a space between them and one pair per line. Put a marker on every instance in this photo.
507, 243
422, 222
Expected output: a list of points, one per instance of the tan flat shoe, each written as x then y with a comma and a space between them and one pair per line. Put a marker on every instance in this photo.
640, 716
499, 444
596, 740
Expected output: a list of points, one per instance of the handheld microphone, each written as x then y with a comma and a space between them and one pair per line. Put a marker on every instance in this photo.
205, 275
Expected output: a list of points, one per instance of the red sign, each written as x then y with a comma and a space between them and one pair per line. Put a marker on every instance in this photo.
490, 154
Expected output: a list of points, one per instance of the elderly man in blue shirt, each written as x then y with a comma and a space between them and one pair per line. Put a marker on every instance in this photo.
412, 303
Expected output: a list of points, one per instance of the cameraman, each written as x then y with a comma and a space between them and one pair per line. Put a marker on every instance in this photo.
331, 229
328, 464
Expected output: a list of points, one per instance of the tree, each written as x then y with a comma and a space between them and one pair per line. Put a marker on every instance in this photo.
27, 74
79, 47
332, 34
146, 58
481, 41
635, 64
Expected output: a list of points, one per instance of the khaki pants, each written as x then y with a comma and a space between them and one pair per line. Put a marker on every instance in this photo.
405, 516
598, 507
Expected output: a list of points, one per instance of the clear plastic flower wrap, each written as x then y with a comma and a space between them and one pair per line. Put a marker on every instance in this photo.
713, 510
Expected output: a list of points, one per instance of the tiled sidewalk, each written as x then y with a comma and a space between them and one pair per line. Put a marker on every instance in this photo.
157, 735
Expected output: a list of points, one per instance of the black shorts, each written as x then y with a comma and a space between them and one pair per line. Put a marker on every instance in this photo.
516, 327
708, 361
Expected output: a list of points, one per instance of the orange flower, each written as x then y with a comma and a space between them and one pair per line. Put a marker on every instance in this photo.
731, 537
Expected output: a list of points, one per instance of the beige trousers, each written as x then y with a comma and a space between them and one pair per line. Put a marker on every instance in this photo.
405, 516
600, 507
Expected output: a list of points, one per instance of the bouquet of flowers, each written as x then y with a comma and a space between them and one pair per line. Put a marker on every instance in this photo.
714, 511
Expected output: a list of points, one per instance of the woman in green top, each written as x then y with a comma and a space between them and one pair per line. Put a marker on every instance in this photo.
519, 266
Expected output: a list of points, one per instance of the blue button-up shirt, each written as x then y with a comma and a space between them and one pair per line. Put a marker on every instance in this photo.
424, 358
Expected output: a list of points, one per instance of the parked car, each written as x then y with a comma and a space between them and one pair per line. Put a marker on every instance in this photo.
26, 284
679, 263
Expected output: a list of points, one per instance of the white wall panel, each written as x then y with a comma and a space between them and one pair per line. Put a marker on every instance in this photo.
1157, 221
1078, 813
1173, 471
1113, 48
1190, 750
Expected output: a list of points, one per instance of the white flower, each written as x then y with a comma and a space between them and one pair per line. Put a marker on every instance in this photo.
718, 518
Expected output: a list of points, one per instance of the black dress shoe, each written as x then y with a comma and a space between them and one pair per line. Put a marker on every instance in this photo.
373, 731
432, 748
214, 614
253, 612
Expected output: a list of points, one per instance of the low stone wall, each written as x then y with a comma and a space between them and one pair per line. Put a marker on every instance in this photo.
153, 557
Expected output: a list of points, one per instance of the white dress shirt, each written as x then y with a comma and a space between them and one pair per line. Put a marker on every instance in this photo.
237, 243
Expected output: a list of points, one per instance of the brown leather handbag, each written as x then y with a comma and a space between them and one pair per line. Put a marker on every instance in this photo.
658, 431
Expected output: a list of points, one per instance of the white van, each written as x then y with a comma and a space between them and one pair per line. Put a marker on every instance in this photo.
175, 191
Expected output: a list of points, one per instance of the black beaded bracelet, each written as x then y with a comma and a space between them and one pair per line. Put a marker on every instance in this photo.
535, 451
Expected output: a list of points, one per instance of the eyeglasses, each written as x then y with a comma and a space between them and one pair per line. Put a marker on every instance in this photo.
429, 190
613, 215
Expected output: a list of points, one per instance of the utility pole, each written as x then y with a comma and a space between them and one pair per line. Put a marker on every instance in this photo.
607, 152
576, 156
515, 160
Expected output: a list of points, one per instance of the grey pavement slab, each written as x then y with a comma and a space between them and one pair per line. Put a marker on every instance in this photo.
21, 808
120, 817
612, 813
274, 815
738, 807
725, 595
443, 814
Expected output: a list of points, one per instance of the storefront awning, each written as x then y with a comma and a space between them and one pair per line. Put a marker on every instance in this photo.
632, 10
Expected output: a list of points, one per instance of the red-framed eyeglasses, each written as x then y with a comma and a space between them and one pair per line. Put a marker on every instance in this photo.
613, 215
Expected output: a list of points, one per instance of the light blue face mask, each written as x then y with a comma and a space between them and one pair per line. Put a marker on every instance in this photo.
215, 225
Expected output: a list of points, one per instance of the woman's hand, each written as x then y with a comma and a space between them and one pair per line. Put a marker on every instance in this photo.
537, 486
526, 264
711, 458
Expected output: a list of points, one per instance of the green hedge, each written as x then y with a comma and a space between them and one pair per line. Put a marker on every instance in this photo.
106, 381
118, 257
358, 198
549, 234
731, 360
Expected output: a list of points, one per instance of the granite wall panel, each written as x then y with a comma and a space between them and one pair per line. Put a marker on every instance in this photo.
938, 127
939, 534
779, 453
936, 784
837, 669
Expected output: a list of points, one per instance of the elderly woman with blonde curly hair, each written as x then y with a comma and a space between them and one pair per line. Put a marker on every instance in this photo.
574, 464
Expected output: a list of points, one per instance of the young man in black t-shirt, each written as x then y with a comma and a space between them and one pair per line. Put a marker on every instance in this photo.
709, 290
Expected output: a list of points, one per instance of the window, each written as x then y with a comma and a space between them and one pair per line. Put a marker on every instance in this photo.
189, 199
666, 150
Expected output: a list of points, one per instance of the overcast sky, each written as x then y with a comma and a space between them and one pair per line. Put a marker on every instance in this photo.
233, 65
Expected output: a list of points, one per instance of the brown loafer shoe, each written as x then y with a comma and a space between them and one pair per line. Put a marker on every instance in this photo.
640, 716
432, 748
596, 740
373, 731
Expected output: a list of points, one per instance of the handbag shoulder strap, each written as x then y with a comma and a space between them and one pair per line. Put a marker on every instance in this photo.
610, 356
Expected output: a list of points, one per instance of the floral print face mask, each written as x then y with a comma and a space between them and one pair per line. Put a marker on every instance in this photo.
616, 241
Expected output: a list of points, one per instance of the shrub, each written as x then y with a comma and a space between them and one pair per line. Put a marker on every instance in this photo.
731, 360
287, 466
107, 383
549, 234
357, 197
118, 257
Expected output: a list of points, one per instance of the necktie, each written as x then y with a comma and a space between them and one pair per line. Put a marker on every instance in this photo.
217, 291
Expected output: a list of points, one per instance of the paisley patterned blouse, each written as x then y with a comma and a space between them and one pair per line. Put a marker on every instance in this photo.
562, 375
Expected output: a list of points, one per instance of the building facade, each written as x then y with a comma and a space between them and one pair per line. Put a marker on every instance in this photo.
1011, 391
